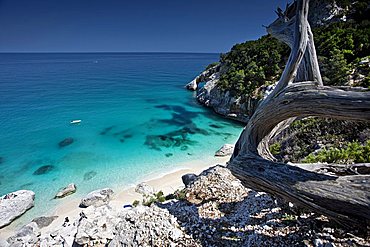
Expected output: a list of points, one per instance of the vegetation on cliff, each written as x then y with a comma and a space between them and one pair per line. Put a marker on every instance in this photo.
343, 49
341, 46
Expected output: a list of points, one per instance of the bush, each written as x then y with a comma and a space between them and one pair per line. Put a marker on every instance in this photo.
275, 148
354, 153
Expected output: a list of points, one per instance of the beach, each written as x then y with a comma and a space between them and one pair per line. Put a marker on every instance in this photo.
165, 182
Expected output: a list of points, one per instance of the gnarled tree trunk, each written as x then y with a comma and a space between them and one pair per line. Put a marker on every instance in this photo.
300, 93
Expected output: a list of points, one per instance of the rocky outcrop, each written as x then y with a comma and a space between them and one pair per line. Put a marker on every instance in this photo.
25, 236
149, 226
15, 204
217, 210
187, 179
96, 226
97, 198
44, 221
66, 191
225, 150
206, 75
221, 101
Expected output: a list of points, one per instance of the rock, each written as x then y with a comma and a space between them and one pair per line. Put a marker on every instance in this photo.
318, 243
66, 142
26, 236
187, 179
89, 175
97, 198
144, 189
225, 150
96, 226
148, 226
44, 221
203, 77
1, 160
43, 170
15, 204
66, 191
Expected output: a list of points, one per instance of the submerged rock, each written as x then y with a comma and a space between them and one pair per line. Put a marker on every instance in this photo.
187, 179
66, 142
66, 191
15, 204
144, 189
43, 170
44, 221
97, 198
1, 160
225, 150
89, 175
168, 154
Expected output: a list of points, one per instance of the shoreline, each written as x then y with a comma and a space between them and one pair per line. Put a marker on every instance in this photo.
167, 182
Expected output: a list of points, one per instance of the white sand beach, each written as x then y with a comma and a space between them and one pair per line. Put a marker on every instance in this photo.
167, 183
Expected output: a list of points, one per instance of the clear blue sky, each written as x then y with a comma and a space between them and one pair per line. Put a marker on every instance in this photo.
131, 26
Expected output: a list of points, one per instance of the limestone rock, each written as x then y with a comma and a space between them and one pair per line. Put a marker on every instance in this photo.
96, 226
97, 198
44, 221
203, 77
148, 226
187, 179
70, 189
144, 189
26, 236
225, 150
15, 204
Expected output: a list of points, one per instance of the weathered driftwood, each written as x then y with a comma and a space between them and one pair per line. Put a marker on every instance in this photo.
300, 93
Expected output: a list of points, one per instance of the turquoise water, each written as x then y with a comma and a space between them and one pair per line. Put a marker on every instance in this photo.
137, 120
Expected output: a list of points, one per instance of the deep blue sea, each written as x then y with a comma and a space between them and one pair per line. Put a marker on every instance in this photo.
137, 120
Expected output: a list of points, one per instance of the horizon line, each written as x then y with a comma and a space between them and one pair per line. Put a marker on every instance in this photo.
71, 52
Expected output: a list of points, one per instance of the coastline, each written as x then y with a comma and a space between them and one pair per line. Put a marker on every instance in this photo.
167, 182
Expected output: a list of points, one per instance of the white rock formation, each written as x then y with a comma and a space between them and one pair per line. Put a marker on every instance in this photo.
15, 204
97, 198
70, 189
225, 150
144, 189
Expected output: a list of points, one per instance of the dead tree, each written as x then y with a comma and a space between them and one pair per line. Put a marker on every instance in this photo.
301, 93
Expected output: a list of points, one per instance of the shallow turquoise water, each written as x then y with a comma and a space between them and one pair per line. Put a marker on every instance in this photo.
137, 119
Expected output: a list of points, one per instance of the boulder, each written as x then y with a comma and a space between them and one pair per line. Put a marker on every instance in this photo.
225, 150
66, 191
97, 198
25, 236
15, 204
187, 179
66, 142
96, 226
44, 221
144, 189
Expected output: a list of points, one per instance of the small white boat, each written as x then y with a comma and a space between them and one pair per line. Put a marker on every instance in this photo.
77, 121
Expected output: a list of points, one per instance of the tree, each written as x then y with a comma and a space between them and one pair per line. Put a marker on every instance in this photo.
300, 93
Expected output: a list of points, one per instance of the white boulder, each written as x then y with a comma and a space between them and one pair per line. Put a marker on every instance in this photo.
15, 204
97, 198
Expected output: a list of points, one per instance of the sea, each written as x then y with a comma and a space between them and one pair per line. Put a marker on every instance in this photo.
136, 120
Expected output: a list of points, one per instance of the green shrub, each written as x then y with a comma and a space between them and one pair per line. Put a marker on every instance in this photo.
135, 203
158, 197
354, 153
275, 148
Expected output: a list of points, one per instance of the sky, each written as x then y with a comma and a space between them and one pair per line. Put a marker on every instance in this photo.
210, 26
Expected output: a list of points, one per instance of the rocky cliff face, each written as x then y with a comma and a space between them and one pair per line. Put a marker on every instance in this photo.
241, 107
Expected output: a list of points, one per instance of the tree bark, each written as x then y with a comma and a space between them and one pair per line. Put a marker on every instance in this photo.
300, 93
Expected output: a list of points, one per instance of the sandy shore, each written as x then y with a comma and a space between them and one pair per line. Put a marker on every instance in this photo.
167, 183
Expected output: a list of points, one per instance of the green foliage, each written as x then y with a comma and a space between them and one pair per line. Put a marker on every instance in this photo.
135, 203
212, 65
275, 148
354, 153
251, 65
159, 197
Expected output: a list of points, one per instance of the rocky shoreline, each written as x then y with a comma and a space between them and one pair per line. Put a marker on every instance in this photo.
214, 209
